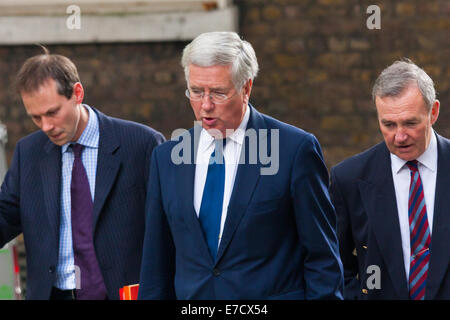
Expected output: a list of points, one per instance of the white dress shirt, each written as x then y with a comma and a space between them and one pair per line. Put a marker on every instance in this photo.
65, 269
427, 164
231, 154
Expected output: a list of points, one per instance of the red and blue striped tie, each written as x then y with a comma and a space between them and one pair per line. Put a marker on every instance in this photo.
419, 235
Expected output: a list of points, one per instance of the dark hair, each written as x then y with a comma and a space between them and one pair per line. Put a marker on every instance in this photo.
39, 69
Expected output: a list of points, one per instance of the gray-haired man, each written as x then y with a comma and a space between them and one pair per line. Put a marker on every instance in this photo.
392, 200
221, 228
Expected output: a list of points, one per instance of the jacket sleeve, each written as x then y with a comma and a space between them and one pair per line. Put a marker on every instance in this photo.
346, 243
155, 140
316, 223
158, 259
10, 223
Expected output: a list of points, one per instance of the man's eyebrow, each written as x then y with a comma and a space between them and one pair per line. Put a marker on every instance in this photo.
412, 120
211, 88
403, 121
50, 110
55, 108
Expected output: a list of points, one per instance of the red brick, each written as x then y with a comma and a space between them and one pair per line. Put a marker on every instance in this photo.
271, 13
405, 9
337, 45
359, 44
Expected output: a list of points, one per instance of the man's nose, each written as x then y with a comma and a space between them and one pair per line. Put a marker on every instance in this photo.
207, 104
47, 125
401, 136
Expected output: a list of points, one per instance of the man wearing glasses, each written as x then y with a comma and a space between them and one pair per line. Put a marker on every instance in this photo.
218, 225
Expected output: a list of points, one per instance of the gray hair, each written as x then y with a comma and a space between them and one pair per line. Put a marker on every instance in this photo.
222, 48
401, 75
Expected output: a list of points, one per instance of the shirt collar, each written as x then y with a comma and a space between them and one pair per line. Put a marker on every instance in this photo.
206, 140
90, 136
427, 159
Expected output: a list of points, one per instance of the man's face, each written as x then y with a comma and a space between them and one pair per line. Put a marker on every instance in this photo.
57, 116
405, 123
217, 79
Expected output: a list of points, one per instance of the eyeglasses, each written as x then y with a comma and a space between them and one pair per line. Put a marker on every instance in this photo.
214, 97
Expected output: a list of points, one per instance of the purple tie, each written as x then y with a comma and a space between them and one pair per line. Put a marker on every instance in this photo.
92, 286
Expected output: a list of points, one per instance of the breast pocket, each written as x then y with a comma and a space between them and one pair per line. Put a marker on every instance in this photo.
264, 226
266, 206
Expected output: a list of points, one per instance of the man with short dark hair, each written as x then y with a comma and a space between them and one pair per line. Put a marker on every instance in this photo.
240, 211
391, 200
76, 188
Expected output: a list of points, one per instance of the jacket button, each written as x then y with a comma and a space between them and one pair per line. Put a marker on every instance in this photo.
216, 272
51, 269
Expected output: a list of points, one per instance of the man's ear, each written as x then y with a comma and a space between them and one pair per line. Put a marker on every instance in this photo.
78, 92
247, 89
435, 111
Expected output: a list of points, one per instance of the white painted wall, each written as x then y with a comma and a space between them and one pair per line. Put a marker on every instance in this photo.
114, 21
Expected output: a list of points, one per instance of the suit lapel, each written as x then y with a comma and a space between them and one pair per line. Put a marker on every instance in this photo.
440, 239
245, 182
108, 164
50, 167
185, 192
378, 198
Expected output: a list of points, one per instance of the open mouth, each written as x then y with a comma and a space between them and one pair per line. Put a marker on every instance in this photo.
209, 121
404, 148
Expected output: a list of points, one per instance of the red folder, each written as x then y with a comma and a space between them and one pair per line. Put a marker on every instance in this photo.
129, 292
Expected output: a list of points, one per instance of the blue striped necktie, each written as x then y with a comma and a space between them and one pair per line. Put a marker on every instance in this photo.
419, 235
212, 199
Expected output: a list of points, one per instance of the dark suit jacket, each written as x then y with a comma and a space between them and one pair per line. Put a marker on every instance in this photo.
30, 203
362, 190
279, 239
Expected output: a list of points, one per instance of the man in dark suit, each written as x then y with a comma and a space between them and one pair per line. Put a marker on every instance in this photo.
391, 200
76, 188
245, 217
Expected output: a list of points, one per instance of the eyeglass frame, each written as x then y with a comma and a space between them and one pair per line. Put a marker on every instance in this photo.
187, 93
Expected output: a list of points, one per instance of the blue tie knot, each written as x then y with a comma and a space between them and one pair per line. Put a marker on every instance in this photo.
217, 154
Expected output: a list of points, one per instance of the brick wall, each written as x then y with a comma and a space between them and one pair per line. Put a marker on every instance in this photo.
318, 62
